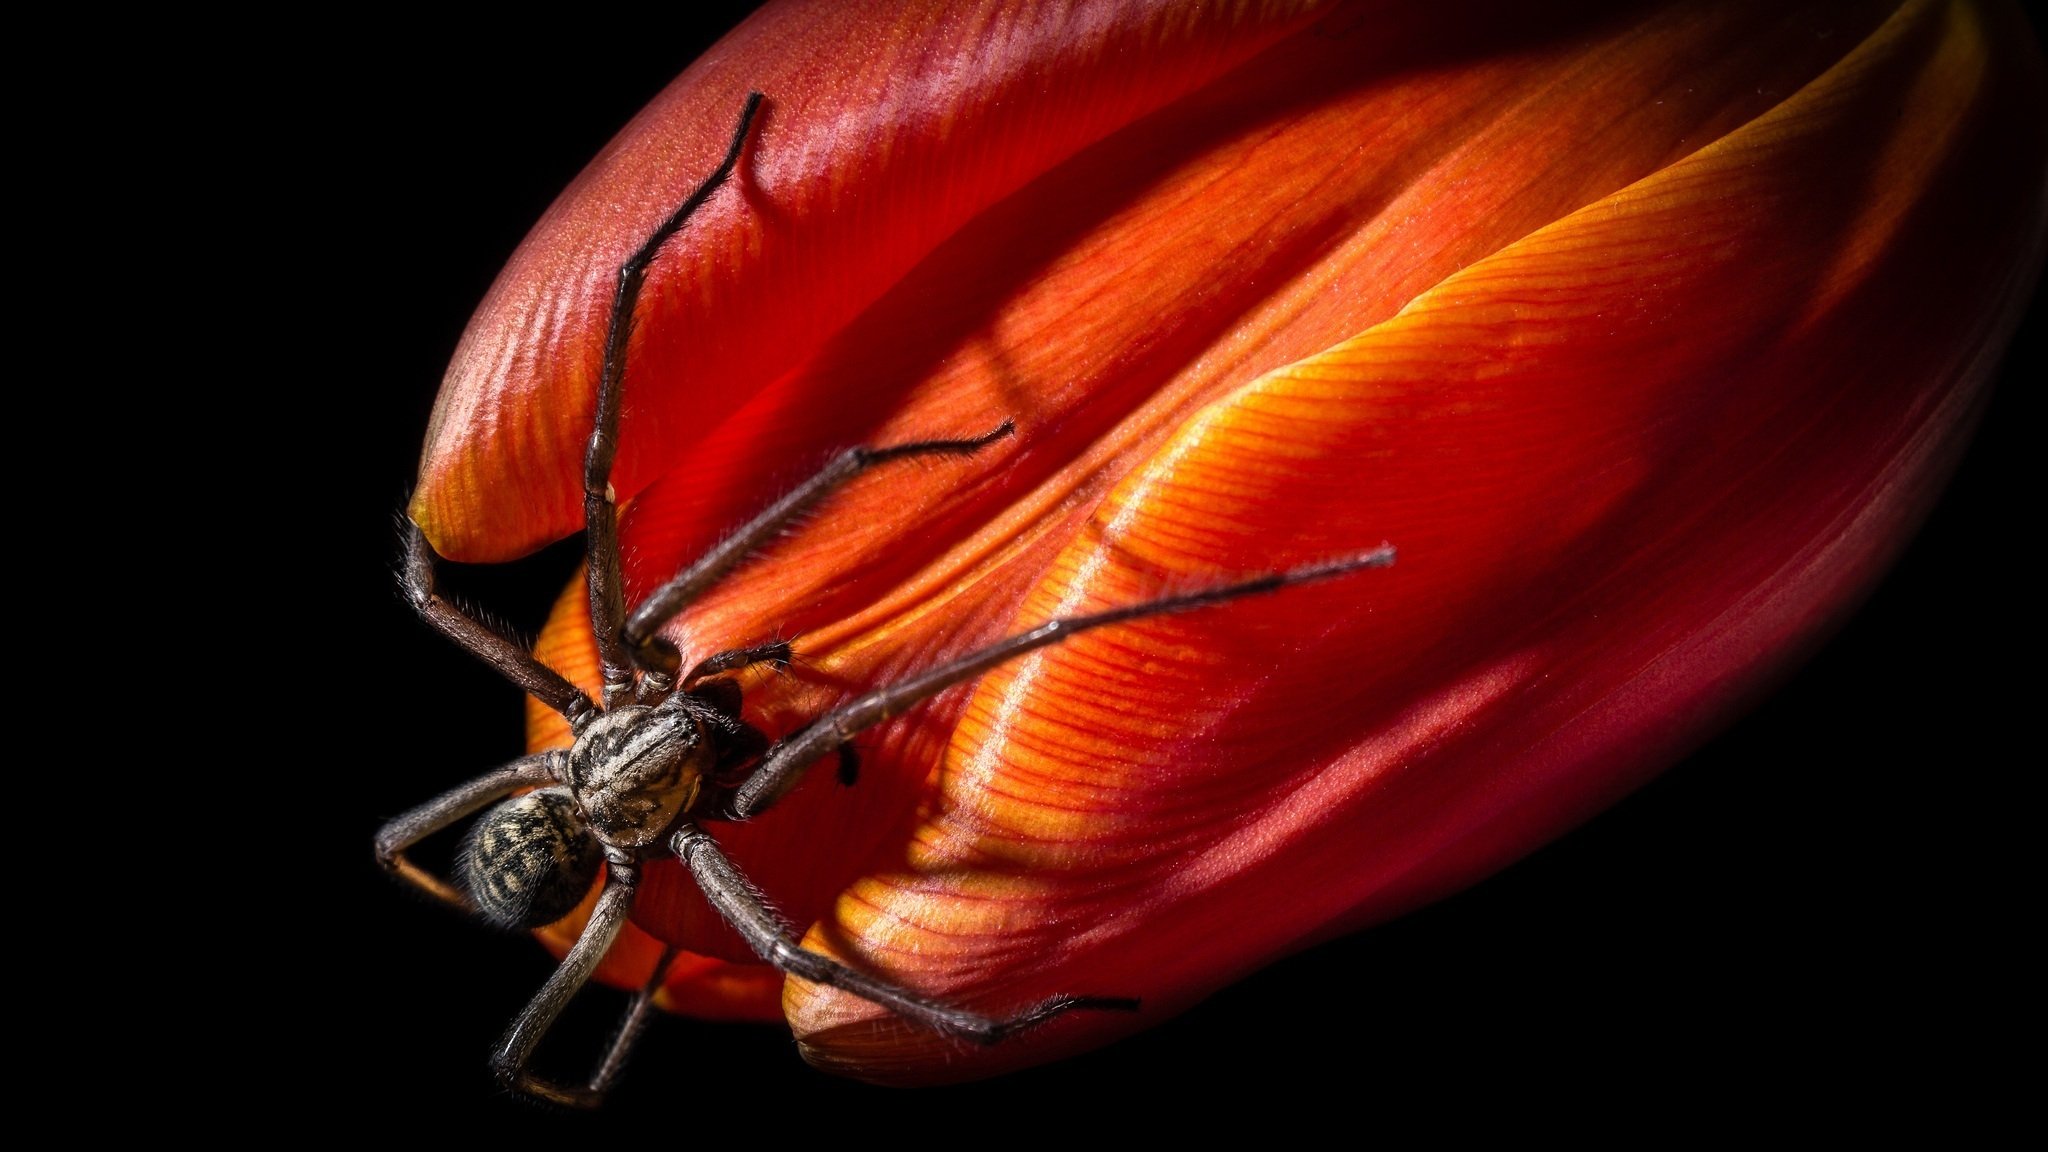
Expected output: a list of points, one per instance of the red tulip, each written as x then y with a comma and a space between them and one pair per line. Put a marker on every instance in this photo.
1646, 335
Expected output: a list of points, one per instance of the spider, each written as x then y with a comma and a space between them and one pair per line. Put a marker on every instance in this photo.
665, 750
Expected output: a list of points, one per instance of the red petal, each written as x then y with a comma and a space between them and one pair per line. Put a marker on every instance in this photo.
859, 169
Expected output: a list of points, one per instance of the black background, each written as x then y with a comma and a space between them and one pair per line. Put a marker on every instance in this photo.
1819, 912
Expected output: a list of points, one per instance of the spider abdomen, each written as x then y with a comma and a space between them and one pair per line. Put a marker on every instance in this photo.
529, 861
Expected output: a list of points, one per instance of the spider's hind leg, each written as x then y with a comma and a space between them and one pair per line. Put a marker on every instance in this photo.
515, 1051
398, 837
772, 940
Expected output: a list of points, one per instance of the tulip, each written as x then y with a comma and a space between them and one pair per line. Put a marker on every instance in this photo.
1646, 335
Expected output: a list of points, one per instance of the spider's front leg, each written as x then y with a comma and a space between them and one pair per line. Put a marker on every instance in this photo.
639, 635
629, 648
600, 500
786, 763
512, 661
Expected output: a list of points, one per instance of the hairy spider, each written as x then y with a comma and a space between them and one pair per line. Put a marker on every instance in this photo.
662, 751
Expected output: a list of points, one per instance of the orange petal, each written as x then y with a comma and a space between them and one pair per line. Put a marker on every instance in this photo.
1635, 462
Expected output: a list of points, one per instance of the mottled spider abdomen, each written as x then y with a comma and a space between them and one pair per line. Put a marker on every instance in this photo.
529, 860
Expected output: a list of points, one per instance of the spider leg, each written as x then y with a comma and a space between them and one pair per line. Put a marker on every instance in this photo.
656, 685
444, 810
515, 1051
600, 511
638, 1013
774, 652
639, 635
773, 941
512, 661
787, 761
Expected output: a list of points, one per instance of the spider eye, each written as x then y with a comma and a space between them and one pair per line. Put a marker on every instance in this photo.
529, 861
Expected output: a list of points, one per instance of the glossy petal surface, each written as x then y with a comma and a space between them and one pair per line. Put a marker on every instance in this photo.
1645, 333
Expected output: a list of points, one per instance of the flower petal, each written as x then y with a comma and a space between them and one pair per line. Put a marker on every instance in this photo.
1635, 462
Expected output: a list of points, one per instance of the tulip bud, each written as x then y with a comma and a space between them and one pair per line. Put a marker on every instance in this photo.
1647, 336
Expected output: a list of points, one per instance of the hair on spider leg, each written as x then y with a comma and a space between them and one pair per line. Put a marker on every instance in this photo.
513, 600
